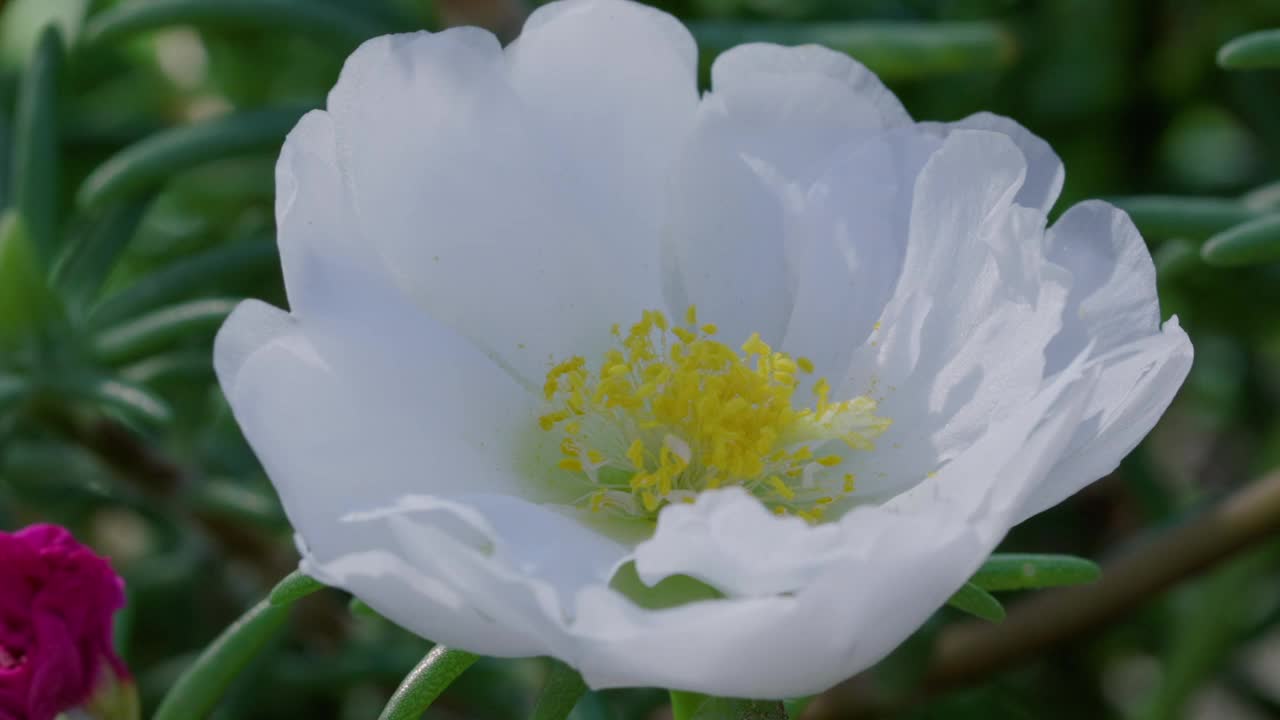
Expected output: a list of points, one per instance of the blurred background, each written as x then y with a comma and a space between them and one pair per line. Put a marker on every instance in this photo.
137, 141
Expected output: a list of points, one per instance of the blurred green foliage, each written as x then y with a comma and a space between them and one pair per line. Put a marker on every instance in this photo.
136, 147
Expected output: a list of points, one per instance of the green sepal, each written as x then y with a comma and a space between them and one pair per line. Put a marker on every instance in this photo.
115, 698
561, 693
1019, 571
978, 602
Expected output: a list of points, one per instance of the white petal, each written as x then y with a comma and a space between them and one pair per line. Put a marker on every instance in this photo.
1113, 293
898, 564
822, 94
613, 86
506, 568
1045, 173
417, 411
469, 205
321, 248
772, 119
962, 341
846, 239
1138, 382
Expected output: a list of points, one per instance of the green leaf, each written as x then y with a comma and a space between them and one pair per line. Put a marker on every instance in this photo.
26, 302
179, 280
12, 390
1160, 216
561, 693
974, 600
892, 49
160, 329
327, 22
693, 706
135, 402
1017, 571
6, 160
425, 682
1253, 243
150, 162
295, 586
1253, 51
87, 261
35, 141
1263, 198
1176, 258
203, 684
22, 20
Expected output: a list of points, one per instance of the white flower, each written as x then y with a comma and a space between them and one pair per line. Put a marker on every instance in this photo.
464, 221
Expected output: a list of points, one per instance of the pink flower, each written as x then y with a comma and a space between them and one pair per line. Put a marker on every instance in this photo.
57, 599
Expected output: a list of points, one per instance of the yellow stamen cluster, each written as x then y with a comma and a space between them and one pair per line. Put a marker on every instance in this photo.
672, 412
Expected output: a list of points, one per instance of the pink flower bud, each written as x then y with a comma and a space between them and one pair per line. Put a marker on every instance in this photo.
57, 599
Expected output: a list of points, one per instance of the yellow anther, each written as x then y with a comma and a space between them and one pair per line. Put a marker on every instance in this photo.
755, 346
670, 411
635, 453
781, 488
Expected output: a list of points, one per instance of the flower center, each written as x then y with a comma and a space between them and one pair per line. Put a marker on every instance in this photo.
671, 411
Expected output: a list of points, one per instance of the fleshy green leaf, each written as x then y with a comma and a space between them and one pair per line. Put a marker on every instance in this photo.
1176, 258
328, 22
1263, 198
295, 586
1017, 571
561, 693
26, 302
137, 403
157, 330
177, 281
426, 682
1253, 51
891, 49
12, 389
150, 162
87, 261
1252, 243
693, 706
35, 141
1160, 216
974, 600
203, 684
